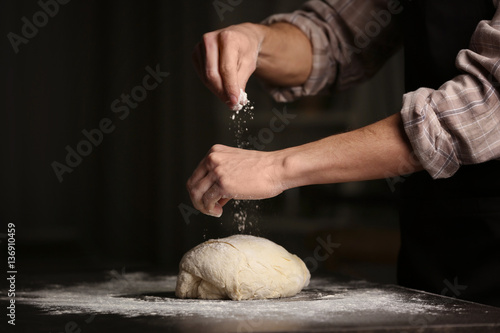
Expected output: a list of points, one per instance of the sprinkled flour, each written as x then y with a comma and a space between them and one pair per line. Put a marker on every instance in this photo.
242, 101
243, 113
243, 209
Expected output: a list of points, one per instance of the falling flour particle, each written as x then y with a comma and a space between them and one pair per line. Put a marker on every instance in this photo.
239, 119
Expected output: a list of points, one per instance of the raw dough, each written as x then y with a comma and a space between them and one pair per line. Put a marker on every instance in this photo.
240, 267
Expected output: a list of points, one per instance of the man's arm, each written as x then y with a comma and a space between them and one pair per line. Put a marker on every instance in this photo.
324, 44
372, 152
459, 123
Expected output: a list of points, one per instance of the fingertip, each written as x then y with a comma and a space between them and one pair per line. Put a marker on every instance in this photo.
233, 100
237, 103
216, 211
210, 201
217, 215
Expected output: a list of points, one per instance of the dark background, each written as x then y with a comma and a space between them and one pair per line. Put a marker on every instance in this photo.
119, 209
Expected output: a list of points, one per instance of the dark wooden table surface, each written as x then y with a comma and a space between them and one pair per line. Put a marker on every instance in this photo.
142, 302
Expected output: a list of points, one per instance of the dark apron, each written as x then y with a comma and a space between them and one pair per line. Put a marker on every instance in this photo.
450, 228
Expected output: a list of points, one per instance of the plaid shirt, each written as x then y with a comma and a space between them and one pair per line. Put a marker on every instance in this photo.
459, 123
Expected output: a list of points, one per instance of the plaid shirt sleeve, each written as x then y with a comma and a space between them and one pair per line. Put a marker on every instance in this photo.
351, 40
459, 123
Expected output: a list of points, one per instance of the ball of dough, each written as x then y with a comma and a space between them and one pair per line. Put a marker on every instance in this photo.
240, 267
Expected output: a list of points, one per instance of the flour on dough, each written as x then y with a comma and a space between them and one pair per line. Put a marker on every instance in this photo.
240, 267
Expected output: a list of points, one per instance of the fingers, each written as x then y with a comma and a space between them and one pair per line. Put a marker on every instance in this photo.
211, 200
206, 195
197, 189
228, 65
207, 163
212, 77
198, 174
247, 68
224, 63
227, 173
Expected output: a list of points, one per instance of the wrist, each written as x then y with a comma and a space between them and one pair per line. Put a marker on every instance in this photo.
312, 163
284, 58
261, 33
290, 169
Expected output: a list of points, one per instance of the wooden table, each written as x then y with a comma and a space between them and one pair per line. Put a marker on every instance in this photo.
141, 302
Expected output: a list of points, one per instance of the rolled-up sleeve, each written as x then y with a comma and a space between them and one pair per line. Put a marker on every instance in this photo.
351, 40
459, 123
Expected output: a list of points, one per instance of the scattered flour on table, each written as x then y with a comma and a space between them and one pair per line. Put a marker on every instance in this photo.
139, 294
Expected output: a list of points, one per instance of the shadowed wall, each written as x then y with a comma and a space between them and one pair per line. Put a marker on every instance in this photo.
119, 205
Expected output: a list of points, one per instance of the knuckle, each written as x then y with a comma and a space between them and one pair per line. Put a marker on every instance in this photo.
198, 207
218, 173
226, 69
216, 147
227, 36
214, 150
189, 188
224, 184
192, 194
212, 160
207, 38
211, 75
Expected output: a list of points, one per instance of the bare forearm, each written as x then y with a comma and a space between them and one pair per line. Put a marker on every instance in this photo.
285, 56
376, 151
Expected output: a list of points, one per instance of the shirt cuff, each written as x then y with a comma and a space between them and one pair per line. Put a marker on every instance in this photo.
323, 70
431, 143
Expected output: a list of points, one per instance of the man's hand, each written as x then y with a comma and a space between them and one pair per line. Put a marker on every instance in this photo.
279, 54
231, 173
226, 58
